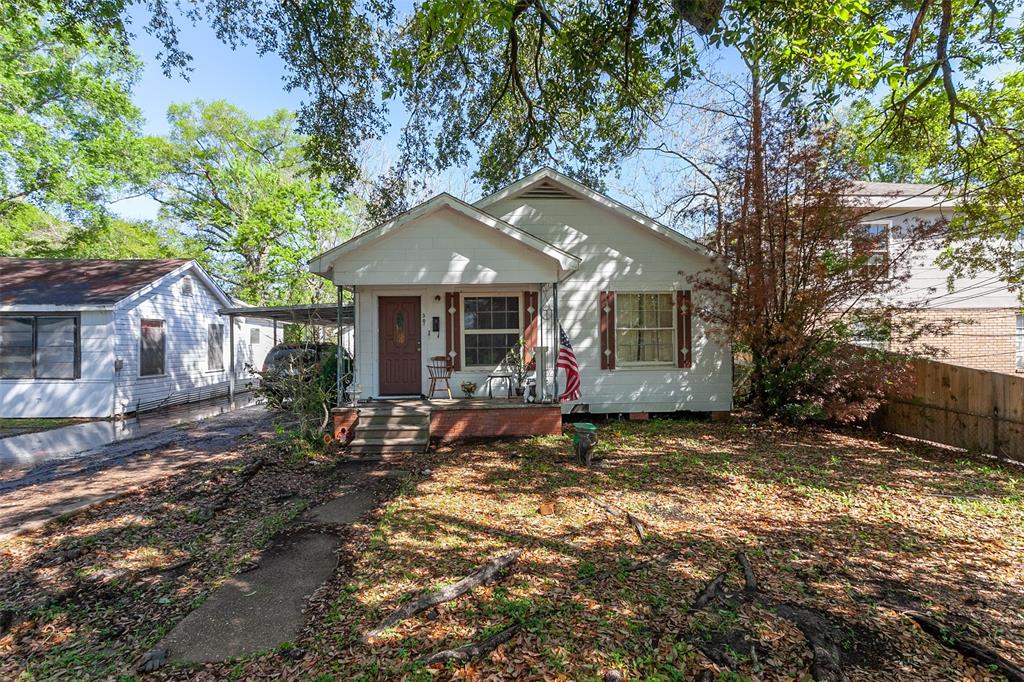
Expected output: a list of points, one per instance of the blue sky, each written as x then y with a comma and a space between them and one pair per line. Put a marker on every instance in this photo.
242, 77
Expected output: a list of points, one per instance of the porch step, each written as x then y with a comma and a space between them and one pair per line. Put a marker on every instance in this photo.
370, 445
395, 421
393, 411
418, 431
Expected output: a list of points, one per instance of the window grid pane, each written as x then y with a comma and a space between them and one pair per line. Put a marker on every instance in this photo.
55, 347
644, 328
488, 349
490, 312
1020, 342
16, 347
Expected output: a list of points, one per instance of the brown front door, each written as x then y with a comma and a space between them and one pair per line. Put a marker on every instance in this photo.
400, 362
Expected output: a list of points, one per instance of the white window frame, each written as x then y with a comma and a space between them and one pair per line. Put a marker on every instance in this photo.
223, 364
640, 364
462, 324
884, 249
163, 326
1019, 365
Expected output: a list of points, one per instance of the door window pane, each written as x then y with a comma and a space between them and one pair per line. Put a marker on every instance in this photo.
55, 347
151, 348
16, 347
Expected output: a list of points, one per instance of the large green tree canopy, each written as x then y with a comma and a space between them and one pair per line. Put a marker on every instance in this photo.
69, 132
241, 192
511, 83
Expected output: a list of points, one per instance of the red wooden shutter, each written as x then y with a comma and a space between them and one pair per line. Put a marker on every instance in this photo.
684, 330
531, 312
453, 329
607, 305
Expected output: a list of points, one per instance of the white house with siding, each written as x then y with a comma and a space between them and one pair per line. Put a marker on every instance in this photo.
95, 338
466, 281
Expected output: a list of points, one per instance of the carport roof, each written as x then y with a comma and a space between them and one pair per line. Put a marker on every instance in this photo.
324, 314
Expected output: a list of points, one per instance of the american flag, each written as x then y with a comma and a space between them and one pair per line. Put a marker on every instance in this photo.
567, 361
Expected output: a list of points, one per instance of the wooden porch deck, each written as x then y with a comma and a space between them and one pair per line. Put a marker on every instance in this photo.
455, 404
412, 424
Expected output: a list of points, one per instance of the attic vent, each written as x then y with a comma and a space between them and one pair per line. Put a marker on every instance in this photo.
186, 287
546, 190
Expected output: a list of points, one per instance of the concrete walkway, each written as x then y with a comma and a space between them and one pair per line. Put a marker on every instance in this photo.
263, 608
34, 497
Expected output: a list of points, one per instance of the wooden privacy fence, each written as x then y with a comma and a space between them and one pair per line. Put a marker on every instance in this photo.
963, 407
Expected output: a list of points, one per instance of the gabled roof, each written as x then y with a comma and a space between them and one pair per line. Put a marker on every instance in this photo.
81, 284
546, 180
323, 263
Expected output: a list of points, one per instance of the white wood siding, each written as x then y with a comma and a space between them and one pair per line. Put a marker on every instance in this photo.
186, 323
89, 396
444, 247
983, 290
619, 255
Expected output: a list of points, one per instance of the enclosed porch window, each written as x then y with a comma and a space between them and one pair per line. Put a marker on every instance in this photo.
39, 347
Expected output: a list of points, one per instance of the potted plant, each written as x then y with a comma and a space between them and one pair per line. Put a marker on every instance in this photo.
468, 387
515, 363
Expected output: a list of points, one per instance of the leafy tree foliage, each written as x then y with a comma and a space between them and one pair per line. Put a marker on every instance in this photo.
30, 232
806, 286
980, 166
511, 84
69, 132
243, 196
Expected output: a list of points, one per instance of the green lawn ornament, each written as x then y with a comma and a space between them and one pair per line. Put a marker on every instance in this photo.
583, 441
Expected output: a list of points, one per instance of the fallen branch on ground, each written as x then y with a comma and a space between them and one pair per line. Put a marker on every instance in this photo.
967, 647
245, 475
427, 600
638, 527
711, 591
473, 650
825, 664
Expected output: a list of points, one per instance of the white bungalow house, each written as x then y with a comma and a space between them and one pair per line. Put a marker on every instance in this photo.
95, 338
466, 281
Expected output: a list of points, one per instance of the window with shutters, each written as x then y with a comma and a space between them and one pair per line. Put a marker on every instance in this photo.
490, 328
152, 347
215, 348
644, 329
40, 347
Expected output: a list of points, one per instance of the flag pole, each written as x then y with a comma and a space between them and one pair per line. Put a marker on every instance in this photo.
557, 346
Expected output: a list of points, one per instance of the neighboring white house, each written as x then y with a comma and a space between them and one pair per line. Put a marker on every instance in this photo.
448, 278
95, 338
989, 333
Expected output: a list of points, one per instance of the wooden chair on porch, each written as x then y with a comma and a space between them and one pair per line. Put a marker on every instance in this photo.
440, 369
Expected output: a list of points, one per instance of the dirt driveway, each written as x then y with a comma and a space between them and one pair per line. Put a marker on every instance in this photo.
38, 495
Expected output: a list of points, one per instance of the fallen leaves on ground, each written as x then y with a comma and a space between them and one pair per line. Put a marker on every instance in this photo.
837, 522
